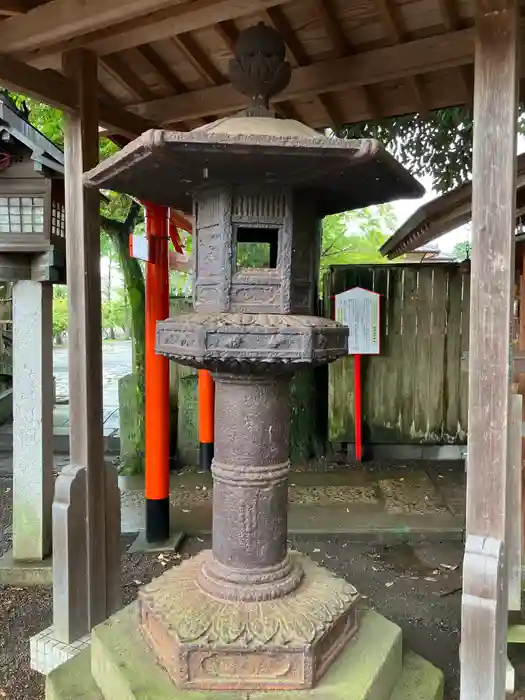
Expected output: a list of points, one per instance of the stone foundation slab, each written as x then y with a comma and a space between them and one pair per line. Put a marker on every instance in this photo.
48, 652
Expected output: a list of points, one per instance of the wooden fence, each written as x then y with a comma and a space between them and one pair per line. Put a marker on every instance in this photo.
416, 391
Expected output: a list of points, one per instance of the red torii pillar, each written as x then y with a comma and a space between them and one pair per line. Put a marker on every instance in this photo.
157, 443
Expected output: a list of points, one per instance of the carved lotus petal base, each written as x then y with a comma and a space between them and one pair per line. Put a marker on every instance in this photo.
211, 644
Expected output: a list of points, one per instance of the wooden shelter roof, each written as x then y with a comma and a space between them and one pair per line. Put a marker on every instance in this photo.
164, 62
28, 139
444, 214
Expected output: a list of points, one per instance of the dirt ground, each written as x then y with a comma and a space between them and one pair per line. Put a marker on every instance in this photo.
416, 586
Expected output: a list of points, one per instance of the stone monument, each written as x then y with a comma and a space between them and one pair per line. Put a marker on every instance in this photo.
250, 615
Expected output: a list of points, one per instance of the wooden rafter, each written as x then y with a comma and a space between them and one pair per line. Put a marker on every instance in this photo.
278, 19
195, 55
367, 68
341, 47
103, 36
11, 8
229, 33
198, 58
118, 67
452, 23
395, 35
164, 73
161, 68
58, 91
63, 20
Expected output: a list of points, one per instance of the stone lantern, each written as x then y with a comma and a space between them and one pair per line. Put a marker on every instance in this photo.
250, 614
32, 216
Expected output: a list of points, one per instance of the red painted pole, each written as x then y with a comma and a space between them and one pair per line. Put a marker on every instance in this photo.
206, 418
357, 408
157, 379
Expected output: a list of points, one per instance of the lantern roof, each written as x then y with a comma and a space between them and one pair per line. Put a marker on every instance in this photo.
253, 147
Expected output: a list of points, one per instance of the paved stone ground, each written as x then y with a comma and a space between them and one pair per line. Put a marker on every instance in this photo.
416, 586
421, 496
117, 362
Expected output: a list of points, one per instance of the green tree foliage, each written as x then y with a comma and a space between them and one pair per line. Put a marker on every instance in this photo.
437, 145
355, 237
462, 251
60, 312
114, 315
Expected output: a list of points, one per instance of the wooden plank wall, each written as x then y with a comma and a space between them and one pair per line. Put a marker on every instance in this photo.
416, 391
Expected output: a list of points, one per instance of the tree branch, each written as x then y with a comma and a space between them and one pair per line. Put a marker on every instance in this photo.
122, 228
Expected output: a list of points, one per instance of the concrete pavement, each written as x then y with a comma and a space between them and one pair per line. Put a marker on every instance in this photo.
117, 356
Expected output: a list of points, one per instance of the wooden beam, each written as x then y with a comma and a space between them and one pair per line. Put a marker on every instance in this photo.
86, 438
202, 65
229, 33
45, 85
452, 23
449, 14
56, 90
118, 34
119, 120
484, 601
161, 68
521, 339
195, 55
119, 68
280, 22
341, 47
514, 520
396, 35
17, 7
166, 74
367, 68
277, 18
63, 20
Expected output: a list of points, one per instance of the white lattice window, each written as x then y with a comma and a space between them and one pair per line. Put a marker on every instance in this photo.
21, 215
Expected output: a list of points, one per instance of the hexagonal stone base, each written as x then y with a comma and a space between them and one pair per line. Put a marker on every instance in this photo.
371, 667
285, 643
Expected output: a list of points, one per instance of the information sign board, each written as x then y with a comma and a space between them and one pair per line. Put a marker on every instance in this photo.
359, 309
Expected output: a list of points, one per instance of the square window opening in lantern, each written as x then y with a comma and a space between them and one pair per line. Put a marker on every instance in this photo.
256, 248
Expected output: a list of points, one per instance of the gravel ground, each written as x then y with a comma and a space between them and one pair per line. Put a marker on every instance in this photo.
417, 587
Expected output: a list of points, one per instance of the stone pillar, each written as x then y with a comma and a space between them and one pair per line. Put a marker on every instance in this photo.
32, 420
250, 470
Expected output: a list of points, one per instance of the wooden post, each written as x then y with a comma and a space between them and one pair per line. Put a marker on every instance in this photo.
81, 141
514, 504
521, 339
485, 596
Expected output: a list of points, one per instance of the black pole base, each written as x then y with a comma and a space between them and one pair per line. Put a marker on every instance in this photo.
157, 520
206, 455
